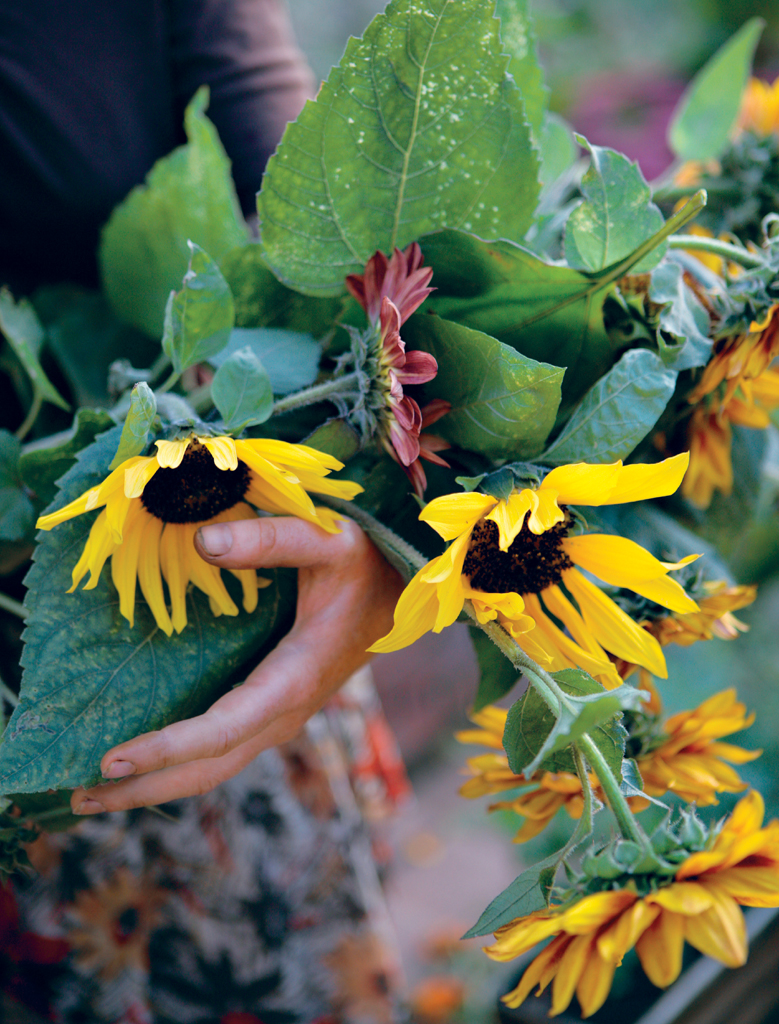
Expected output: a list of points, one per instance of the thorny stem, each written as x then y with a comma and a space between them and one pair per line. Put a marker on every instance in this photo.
335, 388
628, 825
726, 250
31, 417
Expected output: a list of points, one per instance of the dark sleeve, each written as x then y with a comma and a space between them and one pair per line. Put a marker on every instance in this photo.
245, 51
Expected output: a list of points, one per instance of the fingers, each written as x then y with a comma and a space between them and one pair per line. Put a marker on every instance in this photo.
275, 542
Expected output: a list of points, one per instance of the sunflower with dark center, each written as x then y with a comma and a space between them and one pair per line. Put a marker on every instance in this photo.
515, 561
153, 506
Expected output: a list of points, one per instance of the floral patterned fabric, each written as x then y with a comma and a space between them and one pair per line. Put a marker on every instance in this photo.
259, 903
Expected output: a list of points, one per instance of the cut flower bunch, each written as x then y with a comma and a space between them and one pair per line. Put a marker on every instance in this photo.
595, 410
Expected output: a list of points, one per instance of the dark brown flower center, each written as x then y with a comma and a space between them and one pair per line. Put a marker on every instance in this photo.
195, 490
533, 562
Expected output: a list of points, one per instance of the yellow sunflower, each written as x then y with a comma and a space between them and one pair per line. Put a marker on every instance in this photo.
154, 505
700, 905
515, 561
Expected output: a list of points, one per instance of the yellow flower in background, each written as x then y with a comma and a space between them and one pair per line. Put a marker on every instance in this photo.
513, 557
739, 358
760, 107
153, 505
701, 905
691, 762
714, 617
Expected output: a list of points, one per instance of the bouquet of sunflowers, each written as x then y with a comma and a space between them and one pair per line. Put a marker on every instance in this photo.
573, 354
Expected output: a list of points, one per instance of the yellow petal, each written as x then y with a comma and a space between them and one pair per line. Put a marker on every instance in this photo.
546, 513
99, 548
582, 484
595, 984
149, 575
171, 453
684, 898
719, 932
138, 475
124, 563
453, 514
637, 482
70, 511
222, 451
574, 960
750, 886
601, 553
299, 456
509, 516
595, 910
546, 959
660, 948
612, 628
415, 615
623, 934
176, 540
571, 652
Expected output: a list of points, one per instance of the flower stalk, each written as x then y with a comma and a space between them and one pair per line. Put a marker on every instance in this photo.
346, 386
728, 251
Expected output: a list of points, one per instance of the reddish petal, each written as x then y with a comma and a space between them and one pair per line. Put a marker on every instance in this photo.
407, 413
429, 444
418, 368
416, 475
405, 443
434, 411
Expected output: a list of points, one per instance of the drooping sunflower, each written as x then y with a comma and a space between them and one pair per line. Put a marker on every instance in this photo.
514, 559
153, 505
700, 904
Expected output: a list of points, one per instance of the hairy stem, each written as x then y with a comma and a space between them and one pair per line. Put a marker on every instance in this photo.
628, 825
338, 387
735, 253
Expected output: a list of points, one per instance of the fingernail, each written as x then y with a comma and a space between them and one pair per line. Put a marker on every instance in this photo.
89, 807
118, 770
216, 539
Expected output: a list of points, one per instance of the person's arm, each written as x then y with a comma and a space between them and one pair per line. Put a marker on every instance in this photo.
346, 598
246, 53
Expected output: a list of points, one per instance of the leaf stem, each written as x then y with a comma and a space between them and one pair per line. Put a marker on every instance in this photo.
726, 250
168, 383
8, 604
628, 825
338, 387
31, 417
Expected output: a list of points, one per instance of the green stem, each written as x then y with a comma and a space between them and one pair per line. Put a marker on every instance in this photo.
8, 694
335, 388
14, 607
31, 417
168, 384
628, 825
719, 248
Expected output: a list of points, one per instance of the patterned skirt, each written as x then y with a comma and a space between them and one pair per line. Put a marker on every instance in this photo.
259, 903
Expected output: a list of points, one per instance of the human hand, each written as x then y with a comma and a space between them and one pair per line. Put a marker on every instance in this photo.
346, 598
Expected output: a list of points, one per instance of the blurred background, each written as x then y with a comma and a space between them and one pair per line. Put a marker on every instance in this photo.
615, 70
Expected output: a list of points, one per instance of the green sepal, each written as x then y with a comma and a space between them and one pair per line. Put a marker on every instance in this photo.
199, 317
701, 125
616, 216
137, 425
24, 333
616, 413
497, 676
242, 392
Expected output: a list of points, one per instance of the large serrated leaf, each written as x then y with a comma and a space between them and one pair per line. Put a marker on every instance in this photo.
417, 128
616, 413
44, 462
682, 316
24, 333
199, 317
702, 122
537, 737
617, 214
89, 680
188, 194
503, 403
497, 675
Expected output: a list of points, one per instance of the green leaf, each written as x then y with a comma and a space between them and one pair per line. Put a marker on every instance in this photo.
86, 337
242, 391
682, 316
701, 125
17, 514
261, 300
187, 195
496, 673
616, 413
617, 214
417, 128
503, 403
291, 360
90, 681
44, 462
527, 893
200, 317
140, 417
518, 38
538, 738
557, 147
24, 333
336, 437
